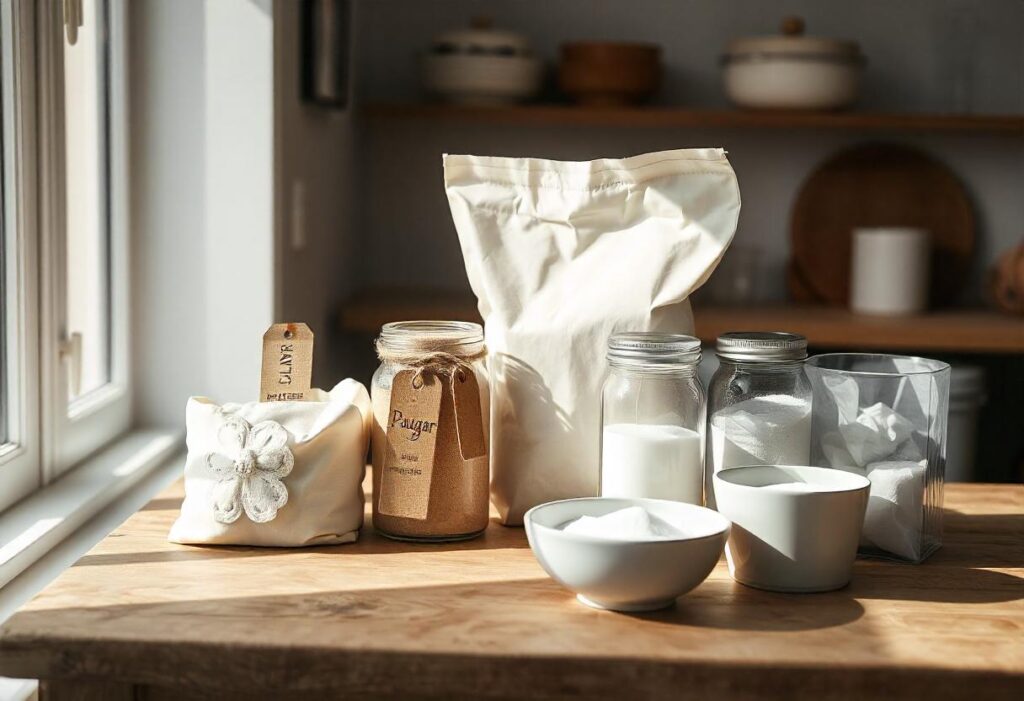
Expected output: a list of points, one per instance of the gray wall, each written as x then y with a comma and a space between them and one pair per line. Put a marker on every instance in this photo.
924, 55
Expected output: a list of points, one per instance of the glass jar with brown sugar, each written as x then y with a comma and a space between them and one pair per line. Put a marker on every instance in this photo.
430, 431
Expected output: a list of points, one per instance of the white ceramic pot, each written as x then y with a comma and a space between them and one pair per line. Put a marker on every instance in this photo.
481, 65
795, 529
792, 71
626, 575
471, 79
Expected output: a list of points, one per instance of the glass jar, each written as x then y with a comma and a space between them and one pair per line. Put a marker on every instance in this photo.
652, 442
437, 485
885, 417
759, 403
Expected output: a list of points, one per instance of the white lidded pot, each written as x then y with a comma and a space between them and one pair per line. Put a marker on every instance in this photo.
481, 65
792, 71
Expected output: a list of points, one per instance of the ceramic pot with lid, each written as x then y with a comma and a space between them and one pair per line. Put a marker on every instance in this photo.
481, 65
792, 71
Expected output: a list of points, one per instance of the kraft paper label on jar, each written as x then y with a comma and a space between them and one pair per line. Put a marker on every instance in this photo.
413, 420
287, 363
468, 415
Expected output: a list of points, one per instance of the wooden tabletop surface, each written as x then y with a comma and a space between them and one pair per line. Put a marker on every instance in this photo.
481, 619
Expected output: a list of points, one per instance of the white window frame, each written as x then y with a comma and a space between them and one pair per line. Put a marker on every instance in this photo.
20, 456
50, 434
74, 430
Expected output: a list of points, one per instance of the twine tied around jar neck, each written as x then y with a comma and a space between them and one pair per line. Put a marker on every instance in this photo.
437, 355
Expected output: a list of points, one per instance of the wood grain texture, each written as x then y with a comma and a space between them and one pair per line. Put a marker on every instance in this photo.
978, 331
480, 619
78, 690
680, 117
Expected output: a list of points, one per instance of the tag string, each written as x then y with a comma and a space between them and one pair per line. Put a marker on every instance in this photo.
438, 356
428, 355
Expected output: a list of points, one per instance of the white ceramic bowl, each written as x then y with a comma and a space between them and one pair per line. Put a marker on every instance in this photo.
626, 575
792, 84
481, 79
795, 529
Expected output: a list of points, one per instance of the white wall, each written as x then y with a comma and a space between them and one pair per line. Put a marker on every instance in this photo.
202, 200
168, 206
239, 177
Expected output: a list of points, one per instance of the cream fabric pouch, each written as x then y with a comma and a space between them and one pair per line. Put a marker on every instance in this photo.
560, 255
275, 473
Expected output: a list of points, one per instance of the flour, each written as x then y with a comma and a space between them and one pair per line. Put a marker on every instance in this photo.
770, 430
634, 523
792, 488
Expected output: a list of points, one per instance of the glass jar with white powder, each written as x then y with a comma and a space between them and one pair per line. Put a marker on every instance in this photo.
759, 403
653, 412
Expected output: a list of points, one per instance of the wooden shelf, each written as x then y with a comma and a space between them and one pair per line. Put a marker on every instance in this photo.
679, 117
966, 331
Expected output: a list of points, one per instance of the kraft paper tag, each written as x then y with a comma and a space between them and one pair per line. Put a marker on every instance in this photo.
468, 419
287, 363
413, 420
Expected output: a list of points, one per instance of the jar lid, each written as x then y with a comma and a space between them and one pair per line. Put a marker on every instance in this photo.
792, 44
761, 346
651, 348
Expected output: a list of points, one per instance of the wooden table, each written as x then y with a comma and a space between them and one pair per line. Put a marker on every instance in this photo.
140, 618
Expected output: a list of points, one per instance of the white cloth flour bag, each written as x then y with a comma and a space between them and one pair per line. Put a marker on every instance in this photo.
560, 256
275, 473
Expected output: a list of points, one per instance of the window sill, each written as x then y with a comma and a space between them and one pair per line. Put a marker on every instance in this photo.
34, 526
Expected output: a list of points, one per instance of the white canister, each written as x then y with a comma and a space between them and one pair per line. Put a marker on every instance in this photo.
889, 270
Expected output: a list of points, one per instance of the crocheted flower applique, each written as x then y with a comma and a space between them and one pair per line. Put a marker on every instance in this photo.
249, 467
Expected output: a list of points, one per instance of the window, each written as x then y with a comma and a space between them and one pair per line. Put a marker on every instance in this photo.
63, 246
20, 448
86, 264
85, 319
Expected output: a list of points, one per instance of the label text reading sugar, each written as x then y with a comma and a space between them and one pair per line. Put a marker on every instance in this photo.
416, 426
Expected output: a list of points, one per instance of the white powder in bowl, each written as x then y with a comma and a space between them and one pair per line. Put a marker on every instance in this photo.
793, 488
630, 524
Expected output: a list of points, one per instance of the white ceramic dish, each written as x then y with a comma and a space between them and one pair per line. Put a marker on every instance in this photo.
481, 79
786, 538
626, 575
792, 71
792, 84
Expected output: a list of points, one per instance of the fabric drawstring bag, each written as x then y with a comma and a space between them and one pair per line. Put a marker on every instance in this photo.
561, 255
275, 473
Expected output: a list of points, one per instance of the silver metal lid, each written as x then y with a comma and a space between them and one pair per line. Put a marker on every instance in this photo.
761, 346
649, 348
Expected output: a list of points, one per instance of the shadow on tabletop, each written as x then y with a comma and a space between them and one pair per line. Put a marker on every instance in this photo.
496, 537
724, 604
982, 540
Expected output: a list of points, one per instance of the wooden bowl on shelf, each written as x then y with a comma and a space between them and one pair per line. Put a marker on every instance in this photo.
609, 73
